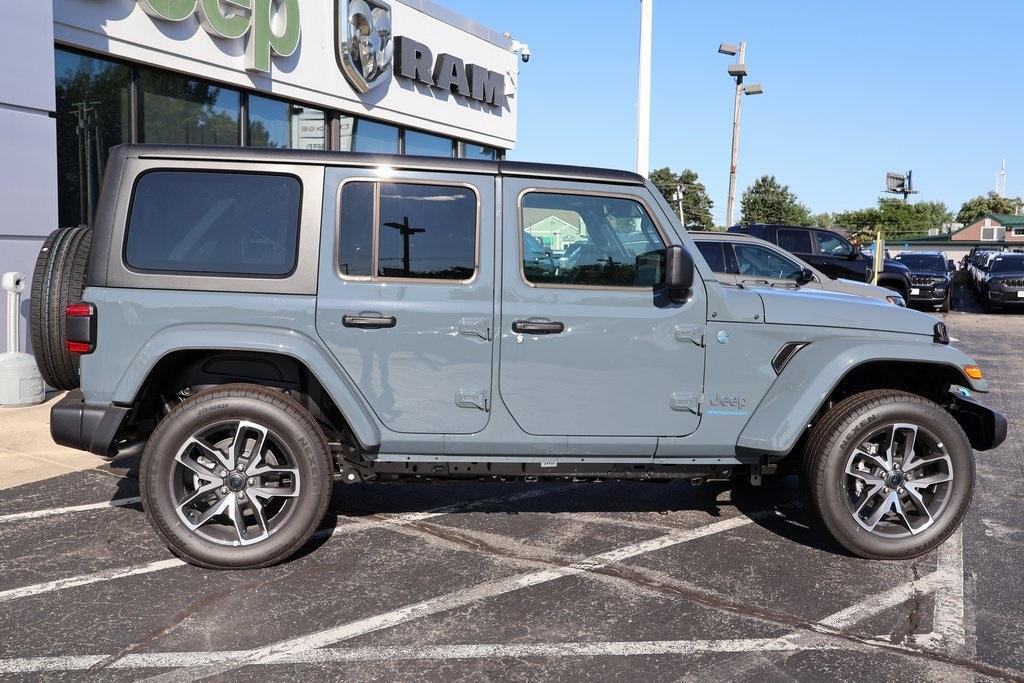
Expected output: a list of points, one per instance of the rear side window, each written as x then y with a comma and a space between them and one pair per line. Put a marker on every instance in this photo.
795, 241
714, 254
421, 231
214, 222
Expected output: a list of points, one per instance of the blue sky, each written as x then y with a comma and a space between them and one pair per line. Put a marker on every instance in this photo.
852, 89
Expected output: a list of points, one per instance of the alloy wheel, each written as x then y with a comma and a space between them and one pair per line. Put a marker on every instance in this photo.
898, 480
234, 483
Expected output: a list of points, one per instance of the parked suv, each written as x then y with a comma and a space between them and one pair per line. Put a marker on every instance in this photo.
1003, 283
931, 278
259, 323
743, 260
832, 254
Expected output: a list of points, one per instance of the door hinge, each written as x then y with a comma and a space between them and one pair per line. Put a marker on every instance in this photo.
690, 333
475, 326
473, 399
685, 402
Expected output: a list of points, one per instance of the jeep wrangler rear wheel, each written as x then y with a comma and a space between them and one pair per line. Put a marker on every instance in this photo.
237, 476
890, 474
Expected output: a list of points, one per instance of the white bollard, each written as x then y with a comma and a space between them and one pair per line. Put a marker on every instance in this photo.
20, 381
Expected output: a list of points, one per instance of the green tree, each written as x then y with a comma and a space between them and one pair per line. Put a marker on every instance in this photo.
895, 218
769, 201
823, 220
697, 204
976, 207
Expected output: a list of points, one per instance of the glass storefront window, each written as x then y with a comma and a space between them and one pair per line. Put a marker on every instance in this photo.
268, 122
374, 137
93, 114
309, 128
179, 110
472, 151
425, 144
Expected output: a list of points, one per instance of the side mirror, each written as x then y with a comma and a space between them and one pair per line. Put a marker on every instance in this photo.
804, 276
678, 273
855, 252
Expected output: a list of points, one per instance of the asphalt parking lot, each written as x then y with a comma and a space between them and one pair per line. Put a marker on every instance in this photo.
616, 580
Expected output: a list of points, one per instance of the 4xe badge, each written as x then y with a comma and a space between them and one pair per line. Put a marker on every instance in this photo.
364, 42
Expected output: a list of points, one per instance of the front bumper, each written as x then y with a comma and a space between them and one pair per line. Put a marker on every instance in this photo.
927, 295
83, 426
1005, 296
985, 428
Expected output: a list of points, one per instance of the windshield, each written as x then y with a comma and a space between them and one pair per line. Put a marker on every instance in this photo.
1007, 264
926, 262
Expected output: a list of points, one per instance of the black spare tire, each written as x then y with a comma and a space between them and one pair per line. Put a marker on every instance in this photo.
58, 279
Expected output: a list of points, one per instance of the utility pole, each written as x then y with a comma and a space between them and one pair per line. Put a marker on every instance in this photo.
1001, 180
643, 104
679, 203
406, 232
739, 72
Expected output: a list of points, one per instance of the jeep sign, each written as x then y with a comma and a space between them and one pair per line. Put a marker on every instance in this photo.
273, 25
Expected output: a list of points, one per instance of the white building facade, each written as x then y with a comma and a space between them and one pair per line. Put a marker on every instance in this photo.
401, 76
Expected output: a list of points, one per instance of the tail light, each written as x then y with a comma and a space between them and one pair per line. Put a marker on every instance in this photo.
81, 328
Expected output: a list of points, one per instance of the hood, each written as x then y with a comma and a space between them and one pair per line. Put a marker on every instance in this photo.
817, 308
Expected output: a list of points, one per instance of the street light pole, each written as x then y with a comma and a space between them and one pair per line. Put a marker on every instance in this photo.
739, 72
643, 105
737, 109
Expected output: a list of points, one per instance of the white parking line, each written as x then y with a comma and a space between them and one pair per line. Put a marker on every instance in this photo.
120, 502
86, 579
349, 527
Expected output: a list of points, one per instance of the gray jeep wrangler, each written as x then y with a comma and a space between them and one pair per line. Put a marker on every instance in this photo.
259, 323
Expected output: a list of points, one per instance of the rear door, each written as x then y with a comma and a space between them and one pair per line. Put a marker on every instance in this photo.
588, 347
406, 294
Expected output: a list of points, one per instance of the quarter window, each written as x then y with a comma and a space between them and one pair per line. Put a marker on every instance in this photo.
209, 222
421, 232
795, 241
587, 240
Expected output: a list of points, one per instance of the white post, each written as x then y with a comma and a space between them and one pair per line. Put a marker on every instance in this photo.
643, 107
13, 284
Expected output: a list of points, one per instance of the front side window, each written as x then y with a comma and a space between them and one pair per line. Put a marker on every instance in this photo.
757, 262
589, 240
218, 223
795, 241
423, 232
830, 244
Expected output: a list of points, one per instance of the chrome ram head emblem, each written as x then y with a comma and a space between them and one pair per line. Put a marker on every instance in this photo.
364, 41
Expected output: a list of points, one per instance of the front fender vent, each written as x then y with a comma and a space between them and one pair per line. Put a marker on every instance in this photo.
785, 354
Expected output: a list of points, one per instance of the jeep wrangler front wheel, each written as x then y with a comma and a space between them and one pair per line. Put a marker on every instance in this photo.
237, 476
890, 474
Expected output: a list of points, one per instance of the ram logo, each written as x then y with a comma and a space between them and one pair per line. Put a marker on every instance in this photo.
364, 41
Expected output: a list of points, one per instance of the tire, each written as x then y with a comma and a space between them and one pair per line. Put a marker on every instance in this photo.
832, 451
298, 477
57, 280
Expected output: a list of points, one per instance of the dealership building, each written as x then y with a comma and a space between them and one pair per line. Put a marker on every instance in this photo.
402, 76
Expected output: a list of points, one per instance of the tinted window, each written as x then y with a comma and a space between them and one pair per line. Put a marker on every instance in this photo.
471, 151
590, 240
928, 262
224, 223
423, 231
758, 262
795, 241
180, 110
374, 137
830, 244
355, 252
714, 254
1008, 264
426, 231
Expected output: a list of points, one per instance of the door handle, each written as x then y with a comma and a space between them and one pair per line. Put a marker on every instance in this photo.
537, 327
369, 321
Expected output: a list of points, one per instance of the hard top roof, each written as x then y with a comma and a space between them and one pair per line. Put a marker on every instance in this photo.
394, 161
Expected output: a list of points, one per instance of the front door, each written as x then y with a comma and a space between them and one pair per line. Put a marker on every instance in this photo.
406, 294
588, 345
754, 262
